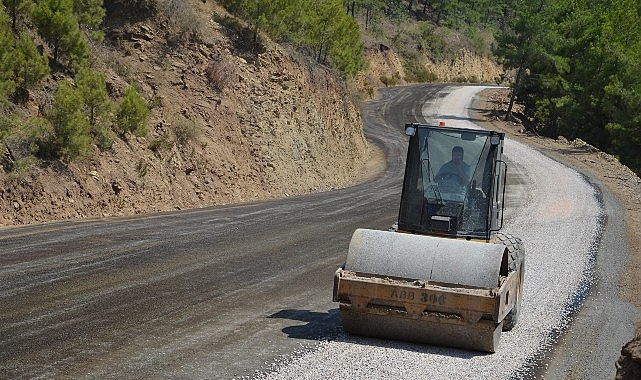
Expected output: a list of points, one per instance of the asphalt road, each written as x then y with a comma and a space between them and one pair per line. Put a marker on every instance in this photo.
214, 292
227, 292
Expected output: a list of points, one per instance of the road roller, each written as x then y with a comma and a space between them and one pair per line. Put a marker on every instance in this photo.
444, 274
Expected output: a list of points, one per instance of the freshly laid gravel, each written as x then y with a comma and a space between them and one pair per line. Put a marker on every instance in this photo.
558, 216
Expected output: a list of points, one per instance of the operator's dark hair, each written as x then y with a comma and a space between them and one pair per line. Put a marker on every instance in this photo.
457, 149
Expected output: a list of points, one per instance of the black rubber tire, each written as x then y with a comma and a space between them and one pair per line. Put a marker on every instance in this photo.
516, 262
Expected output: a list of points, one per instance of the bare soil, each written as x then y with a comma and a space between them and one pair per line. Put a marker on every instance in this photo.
227, 126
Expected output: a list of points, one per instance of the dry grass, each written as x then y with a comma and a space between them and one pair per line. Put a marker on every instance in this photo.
222, 74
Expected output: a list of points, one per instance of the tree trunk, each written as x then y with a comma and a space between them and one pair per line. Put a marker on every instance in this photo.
517, 81
368, 11
92, 115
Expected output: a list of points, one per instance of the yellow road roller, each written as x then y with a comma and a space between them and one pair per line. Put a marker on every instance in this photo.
444, 274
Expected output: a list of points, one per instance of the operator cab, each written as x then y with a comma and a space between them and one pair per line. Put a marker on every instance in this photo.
454, 182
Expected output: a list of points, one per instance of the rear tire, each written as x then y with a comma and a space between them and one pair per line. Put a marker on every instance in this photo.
516, 262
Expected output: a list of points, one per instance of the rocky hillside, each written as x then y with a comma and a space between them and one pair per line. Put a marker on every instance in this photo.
226, 126
465, 67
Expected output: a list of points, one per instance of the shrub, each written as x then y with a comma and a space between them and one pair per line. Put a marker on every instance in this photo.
183, 23
416, 72
133, 114
17, 145
186, 131
142, 167
70, 125
390, 81
161, 144
222, 74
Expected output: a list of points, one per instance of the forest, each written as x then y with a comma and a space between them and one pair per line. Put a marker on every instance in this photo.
578, 71
575, 65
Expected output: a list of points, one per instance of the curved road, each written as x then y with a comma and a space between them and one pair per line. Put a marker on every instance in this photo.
238, 291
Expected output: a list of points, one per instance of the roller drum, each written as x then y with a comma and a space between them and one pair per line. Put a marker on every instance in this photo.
461, 262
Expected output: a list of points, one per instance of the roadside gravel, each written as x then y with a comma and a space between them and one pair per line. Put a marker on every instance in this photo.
558, 215
606, 319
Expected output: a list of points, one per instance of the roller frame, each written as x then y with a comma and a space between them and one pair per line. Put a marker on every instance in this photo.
424, 312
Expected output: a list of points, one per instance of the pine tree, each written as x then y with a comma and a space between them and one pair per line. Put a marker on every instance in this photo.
90, 14
346, 48
622, 95
519, 46
133, 114
29, 66
579, 71
70, 124
15, 8
98, 106
93, 89
58, 25
7, 85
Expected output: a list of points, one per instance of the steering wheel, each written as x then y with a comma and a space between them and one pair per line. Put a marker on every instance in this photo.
449, 176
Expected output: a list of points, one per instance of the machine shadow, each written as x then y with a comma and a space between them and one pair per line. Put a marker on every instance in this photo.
319, 326
328, 326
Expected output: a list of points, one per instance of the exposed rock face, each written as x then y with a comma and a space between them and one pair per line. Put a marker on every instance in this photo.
466, 67
223, 129
385, 64
227, 125
629, 364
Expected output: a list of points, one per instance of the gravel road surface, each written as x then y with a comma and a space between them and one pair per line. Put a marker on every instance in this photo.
559, 216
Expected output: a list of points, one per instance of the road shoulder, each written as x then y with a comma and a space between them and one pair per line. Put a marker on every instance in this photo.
605, 321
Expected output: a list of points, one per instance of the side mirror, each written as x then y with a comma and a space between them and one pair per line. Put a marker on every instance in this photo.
410, 129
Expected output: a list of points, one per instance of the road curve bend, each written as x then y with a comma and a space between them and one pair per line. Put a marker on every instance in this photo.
242, 291
558, 215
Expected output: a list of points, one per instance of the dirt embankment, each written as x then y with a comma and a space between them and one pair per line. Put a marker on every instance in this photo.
223, 129
227, 125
